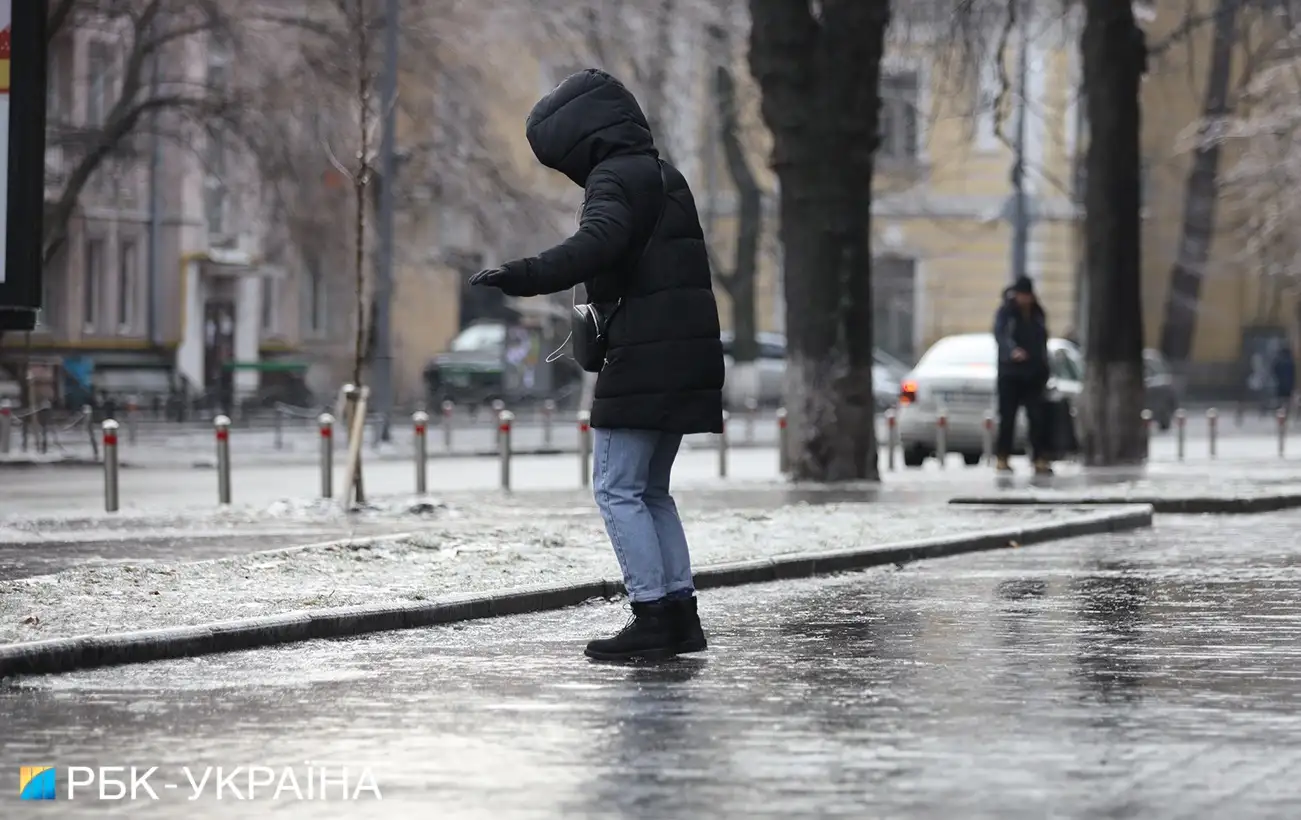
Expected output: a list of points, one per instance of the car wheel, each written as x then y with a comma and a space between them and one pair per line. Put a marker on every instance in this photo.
914, 457
972, 459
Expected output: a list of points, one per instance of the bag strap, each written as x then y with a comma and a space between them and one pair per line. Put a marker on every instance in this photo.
641, 257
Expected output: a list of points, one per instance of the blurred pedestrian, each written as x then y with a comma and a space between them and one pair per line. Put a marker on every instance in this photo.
640, 253
1021, 329
1284, 367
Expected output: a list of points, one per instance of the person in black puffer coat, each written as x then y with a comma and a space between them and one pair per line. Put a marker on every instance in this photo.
1021, 329
663, 374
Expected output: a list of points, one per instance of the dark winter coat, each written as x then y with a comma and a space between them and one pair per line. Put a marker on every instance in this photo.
1013, 329
664, 370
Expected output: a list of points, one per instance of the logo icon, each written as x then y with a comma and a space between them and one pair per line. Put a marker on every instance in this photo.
36, 783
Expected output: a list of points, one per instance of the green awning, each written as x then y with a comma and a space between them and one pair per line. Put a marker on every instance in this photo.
267, 366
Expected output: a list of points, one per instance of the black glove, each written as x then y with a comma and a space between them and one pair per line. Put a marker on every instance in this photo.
492, 278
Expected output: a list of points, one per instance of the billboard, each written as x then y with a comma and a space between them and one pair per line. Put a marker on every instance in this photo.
22, 160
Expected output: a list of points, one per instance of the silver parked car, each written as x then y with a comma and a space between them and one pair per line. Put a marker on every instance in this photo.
887, 373
958, 378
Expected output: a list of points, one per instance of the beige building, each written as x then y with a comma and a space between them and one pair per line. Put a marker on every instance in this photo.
161, 267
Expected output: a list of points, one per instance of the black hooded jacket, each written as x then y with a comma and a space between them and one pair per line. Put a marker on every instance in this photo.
1014, 329
664, 370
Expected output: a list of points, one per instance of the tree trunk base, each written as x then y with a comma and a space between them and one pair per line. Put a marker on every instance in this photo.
1114, 431
831, 417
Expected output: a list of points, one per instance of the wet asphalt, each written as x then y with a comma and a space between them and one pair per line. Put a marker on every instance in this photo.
1151, 675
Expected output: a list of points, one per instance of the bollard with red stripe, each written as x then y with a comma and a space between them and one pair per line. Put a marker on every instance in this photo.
420, 422
1281, 416
6, 425
942, 438
585, 448
325, 422
449, 413
505, 423
891, 437
110, 428
783, 442
222, 426
1181, 432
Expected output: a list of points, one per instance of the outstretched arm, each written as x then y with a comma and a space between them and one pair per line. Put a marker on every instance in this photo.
605, 232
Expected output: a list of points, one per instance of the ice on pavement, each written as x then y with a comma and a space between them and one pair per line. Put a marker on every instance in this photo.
485, 549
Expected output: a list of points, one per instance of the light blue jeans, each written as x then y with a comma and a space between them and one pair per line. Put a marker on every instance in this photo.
630, 475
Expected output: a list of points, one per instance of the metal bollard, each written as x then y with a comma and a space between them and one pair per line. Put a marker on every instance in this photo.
505, 420
942, 438
783, 441
1181, 433
722, 447
222, 425
449, 410
280, 429
987, 442
548, 413
585, 448
326, 424
132, 418
891, 425
1212, 427
751, 410
420, 421
110, 466
1146, 416
1281, 415
6, 426
87, 413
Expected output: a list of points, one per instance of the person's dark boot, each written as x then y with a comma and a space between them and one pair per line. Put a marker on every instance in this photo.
688, 635
648, 635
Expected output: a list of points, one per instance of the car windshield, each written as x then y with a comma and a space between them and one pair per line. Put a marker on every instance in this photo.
480, 337
962, 350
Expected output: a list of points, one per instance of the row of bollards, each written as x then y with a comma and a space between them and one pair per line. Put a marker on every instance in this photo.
505, 428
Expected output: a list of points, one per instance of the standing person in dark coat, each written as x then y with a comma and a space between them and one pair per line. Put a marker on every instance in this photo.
663, 374
1021, 329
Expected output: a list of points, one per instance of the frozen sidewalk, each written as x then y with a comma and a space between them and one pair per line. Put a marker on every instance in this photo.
485, 549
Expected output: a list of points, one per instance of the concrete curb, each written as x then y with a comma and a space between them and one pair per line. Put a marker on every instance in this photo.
1185, 505
67, 654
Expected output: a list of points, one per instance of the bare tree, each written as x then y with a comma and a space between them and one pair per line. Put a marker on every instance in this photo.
144, 79
819, 72
1202, 191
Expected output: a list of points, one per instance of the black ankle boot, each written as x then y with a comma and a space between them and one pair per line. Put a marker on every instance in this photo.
688, 636
647, 636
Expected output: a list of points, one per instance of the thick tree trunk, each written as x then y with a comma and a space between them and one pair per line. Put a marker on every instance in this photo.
819, 77
1200, 196
1114, 57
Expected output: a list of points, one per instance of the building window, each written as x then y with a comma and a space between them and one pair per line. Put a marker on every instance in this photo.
127, 267
899, 132
92, 287
99, 70
894, 306
268, 304
214, 186
315, 296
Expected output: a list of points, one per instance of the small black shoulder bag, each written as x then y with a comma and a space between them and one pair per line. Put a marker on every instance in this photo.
591, 322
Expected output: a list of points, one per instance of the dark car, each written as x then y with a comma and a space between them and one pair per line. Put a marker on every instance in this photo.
472, 370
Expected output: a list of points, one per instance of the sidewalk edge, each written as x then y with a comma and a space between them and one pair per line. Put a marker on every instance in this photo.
1179, 505
68, 654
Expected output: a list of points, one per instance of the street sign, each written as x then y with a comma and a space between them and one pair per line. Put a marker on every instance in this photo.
22, 160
